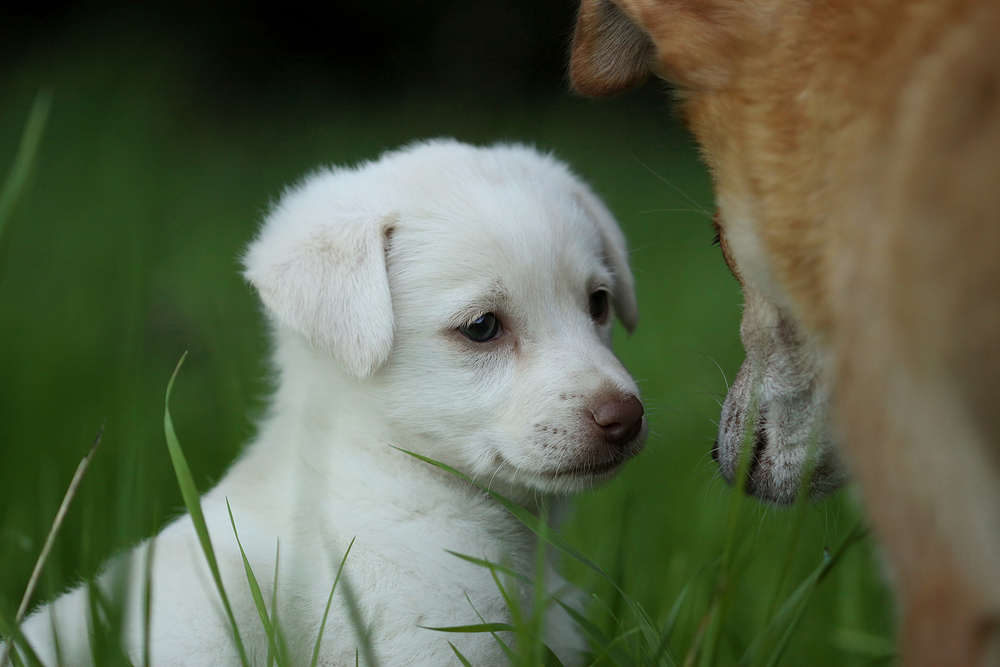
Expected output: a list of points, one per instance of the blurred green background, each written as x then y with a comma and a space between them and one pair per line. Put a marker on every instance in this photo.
172, 127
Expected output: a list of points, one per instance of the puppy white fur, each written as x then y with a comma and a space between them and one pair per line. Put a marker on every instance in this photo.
378, 281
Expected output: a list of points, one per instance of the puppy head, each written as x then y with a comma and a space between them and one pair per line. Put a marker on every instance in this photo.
474, 292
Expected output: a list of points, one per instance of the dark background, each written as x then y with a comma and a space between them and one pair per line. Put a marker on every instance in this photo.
251, 52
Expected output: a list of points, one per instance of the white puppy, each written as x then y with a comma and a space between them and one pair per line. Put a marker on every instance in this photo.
448, 300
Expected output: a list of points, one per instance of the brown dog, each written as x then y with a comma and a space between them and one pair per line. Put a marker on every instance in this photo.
855, 147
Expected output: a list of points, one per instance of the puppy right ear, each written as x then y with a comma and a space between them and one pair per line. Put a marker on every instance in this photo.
325, 279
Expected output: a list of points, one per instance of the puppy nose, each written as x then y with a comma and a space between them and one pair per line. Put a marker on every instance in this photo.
619, 418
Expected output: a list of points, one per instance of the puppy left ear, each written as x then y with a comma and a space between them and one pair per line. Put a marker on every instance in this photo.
325, 278
615, 249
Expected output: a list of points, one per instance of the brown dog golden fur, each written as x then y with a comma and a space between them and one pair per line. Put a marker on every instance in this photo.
855, 148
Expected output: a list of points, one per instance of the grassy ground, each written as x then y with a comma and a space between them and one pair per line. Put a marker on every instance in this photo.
123, 254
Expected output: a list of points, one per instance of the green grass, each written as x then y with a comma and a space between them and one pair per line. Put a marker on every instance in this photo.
121, 253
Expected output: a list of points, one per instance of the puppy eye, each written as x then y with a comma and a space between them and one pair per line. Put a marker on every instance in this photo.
484, 328
599, 305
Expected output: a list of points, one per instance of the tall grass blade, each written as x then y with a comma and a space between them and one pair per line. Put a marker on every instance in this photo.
798, 519
664, 649
513, 605
461, 658
14, 636
779, 631
56, 645
551, 537
549, 658
360, 627
477, 627
50, 539
258, 597
531, 521
608, 646
590, 628
26, 152
540, 598
106, 621
725, 592
490, 565
500, 642
147, 600
192, 500
608, 650
507, 650
274, 602
329, 601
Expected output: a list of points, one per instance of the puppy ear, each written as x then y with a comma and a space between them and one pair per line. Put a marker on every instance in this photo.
325, 279
610, 53
615, 249
692, 43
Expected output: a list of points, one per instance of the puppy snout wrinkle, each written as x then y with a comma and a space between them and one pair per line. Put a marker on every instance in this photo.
619, 418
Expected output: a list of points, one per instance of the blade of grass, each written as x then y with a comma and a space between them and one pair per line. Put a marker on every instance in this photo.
694, 650
527, 518
788, 616
56, 643
258, 597
106, 621
724, 593
549, 658
553, 538
14, 636
490, 565
461, 658
279, 635
329, 600
274, 598
511, 656
360, 627
147, 600
193, 502
546, 655
507, 650
513, 604
664, 649
540, 598
620, 557
799, 517
607, 649
476, 627
23, 161
590, 628
607, 645
50, 539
